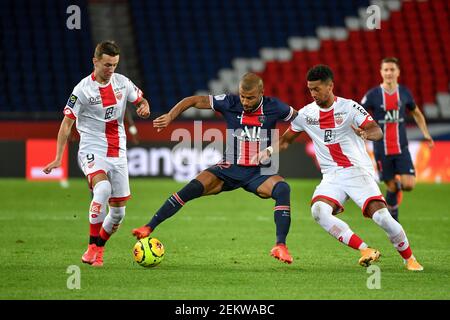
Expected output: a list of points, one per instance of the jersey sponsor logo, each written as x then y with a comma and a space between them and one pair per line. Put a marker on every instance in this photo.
251, 134
392, 116
72, 100
329, 136
109, 113
95, 100
220, 96
360, 109
312, 121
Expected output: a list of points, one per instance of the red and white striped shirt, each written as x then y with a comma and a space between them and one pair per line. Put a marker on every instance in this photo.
99, 111
335, 143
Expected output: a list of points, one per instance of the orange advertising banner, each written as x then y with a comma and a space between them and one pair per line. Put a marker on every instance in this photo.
432, 165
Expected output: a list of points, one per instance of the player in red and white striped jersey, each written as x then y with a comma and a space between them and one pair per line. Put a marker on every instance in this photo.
338, 128
97, 105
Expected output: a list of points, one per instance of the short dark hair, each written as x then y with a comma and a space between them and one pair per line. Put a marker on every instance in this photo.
391, 60
320, 72
108, 47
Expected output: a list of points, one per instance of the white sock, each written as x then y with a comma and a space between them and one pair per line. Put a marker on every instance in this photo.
323, 214
393, 229
97, 209
113, 219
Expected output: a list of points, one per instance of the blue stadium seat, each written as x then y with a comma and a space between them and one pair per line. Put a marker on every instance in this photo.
207, 36
37, 45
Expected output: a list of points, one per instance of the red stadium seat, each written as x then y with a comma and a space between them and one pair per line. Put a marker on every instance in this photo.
417, 35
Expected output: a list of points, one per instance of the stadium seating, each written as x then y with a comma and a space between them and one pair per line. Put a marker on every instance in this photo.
417, 35
184, 45
41, 59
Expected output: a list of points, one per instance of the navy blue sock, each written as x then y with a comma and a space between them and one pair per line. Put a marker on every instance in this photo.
192, 190
282, 212
392, 205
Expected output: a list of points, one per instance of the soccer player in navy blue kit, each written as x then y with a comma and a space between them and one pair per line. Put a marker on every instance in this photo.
388, 103
250, 119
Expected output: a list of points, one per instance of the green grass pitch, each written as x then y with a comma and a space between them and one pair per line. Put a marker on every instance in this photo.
217, 247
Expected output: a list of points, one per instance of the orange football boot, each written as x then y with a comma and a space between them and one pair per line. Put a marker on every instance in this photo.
90, 254
142, 232
368, 255
413, 265
280, 252
99, 257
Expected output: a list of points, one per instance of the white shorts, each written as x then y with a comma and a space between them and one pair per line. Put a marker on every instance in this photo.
355, 183
115, 169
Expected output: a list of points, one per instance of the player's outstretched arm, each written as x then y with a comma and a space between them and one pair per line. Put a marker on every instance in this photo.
63, 135
277, 146
370, 131
199, 102
422, 124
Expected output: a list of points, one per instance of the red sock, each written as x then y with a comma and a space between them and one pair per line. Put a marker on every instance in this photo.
104, 236
355, 242
94, 229
406, 254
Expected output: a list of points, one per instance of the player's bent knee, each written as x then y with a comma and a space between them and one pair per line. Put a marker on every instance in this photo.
372, 207
408, 186
117, 214
391, 186
320, 209
281, 189
103, 189
382, 217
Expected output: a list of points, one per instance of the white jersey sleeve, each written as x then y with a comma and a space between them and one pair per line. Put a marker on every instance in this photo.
297, 124
74, 102
360, 115
134, 94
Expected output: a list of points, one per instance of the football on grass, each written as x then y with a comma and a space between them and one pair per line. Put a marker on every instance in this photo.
148, 252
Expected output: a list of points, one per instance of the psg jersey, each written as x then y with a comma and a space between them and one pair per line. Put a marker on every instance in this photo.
249, 132
389, 111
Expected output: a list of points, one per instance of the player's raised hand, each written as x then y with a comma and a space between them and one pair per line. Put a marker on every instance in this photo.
143, 110
162, 122
360, 132
52, 165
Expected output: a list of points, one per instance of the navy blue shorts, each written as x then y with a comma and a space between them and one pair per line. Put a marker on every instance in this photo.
235, 176
389, 166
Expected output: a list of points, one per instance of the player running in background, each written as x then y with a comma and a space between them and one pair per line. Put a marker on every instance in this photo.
132, 129
388, 103
97, 105
338, 128
250, 117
